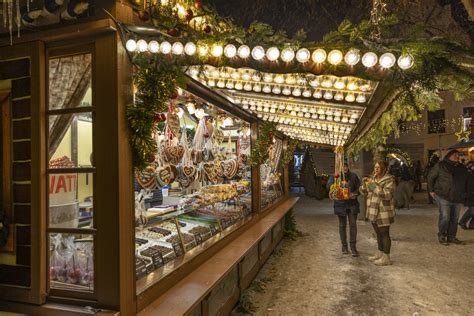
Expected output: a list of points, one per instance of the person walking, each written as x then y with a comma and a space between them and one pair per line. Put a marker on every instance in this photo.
347, 210
380, 188
434, 159
447, 186
468, 216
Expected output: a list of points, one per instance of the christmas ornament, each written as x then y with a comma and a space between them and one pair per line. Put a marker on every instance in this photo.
207, 28
189, 14
463, 135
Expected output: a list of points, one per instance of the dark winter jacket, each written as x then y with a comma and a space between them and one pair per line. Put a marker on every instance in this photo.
340, 207
469, 189
448, 180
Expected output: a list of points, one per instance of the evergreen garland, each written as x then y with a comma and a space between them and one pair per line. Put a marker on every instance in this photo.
290, 149
260, 153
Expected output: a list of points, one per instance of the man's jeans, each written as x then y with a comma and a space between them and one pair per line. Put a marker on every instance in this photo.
352, 217
448, 218
469, 215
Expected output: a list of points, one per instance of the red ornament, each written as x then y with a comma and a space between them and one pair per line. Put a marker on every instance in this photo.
207, 28
336, 176
198, 4
144, 15
174, 32
206, 135
189, 14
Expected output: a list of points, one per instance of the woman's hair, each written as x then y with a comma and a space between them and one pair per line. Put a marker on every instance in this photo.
383, 165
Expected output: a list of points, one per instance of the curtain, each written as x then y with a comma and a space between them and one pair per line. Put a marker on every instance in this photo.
69, 80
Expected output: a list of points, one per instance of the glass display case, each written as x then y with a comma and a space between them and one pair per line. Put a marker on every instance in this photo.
271, 176
197, 188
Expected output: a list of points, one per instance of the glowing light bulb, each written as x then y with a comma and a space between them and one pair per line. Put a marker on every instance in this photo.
352, 57
317, 94
287, 55
131, 45
217, 50
203, 49
303, 55
328, 95
286, 91
339, 84
296, 92
190, 48
273, 53
142, 46
387, 60
243, 51
165, 47
153, 47
177, 48
267, 89
230, 51
319, 56
360, 98
238, 86
369, 59
350, 97
258, 53
405, 61
335, 57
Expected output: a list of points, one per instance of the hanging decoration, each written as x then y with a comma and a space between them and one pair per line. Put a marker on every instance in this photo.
339, 189
463, 135
377, 15
290, 149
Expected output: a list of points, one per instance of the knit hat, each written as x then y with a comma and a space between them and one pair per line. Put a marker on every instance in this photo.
450, 153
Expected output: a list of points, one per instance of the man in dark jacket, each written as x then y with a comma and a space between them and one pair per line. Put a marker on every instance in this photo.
468, 216
348, 209
447, 185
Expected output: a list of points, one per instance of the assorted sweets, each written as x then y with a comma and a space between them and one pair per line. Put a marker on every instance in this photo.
196, 186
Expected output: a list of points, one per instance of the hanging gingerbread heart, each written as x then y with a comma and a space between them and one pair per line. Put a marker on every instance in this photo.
172, 119
189, 171
218, 135
218, 168
208, 168
230, 168
146, 178
166, 175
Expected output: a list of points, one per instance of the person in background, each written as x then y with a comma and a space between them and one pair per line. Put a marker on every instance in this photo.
468, 216
447, 186
417, 171
347, 210
433, 161
380, 188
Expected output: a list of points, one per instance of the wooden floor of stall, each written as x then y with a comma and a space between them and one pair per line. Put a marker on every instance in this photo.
214, 288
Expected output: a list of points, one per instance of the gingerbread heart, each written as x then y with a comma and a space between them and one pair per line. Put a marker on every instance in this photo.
208, 168
230, 168
218, 135
173, 123
189, 171
184, 182
166, 175
179, 152
171, 152
218, 168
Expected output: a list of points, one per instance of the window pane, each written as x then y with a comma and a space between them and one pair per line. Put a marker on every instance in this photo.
71, 262
70, 82
70, 140
71, 200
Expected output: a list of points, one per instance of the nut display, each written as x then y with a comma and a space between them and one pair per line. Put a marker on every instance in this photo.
160, 230
199, 230
187, 238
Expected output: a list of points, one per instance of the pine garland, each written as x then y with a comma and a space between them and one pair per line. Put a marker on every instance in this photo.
290, 149
260, 152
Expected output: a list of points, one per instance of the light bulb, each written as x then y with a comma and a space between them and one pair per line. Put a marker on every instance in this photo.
387, 60
286, 91
246, 76
203, 49
405, 61
339, 96
267, 78
243, 51
154, 47
258, 53
328, 95
131, 45
306, 93
194, 72
339, 84
256, 77
267, 89
335, 57
296, 92
276, 90
217, 50
142, 46
287, 55
303, 55
279, 79
245, 106
273, 53
369, 59
177, 48
238, 86
199, 113
230, 51
314, 83
352, 86
350, 97
235, 75
229, 85
248, 87
317, 94
165, 47
211, 83
361, 98
221, 84
190, 48
319, 56
257, 88
352, 121
352, 57
290, 79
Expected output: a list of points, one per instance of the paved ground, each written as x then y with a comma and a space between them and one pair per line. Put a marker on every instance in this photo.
310, 276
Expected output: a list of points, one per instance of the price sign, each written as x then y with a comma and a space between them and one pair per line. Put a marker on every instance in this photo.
157, 258
198, 238
178, 250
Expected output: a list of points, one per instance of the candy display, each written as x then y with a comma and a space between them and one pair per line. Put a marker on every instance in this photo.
61, 162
